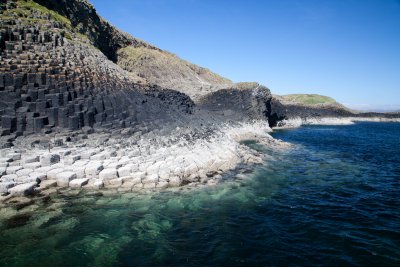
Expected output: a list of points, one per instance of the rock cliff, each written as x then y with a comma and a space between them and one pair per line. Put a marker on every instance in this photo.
54, 77
64, 67
143, 60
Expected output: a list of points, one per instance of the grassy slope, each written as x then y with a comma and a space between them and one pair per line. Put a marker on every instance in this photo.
166, 69
31, 13
309, 99
25, 9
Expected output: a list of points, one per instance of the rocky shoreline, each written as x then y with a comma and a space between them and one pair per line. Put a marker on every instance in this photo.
124, 161
297, 122
71, 117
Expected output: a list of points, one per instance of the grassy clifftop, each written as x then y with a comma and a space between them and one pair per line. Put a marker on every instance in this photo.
308, 99
27, 11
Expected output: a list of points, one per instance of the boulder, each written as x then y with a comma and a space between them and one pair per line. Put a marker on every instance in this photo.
14, 156
4, 164
101, 156
13, 169
93, 169
52, 174
124, 171
152, 178
63, 178
25, 179
49, 159
98, 183
162, 184
3, 171
114, 165
38, 176
149, 185
31, 159
138, 186
23, 189
80, 171
87, 130
6, 159
87, 154
71, 159
78, 183
33, 165
48, 184
9, 177
24, 172
138, 175
115, 182
130, 179
44, 169
108, 174
174, 181
4, 186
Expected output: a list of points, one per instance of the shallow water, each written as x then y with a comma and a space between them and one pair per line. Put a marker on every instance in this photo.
332, 200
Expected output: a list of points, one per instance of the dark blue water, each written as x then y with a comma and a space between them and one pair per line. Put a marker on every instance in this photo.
332, 200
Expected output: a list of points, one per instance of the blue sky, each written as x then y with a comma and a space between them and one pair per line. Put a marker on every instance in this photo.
346, 49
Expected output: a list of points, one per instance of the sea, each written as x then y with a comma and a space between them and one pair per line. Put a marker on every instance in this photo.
331, 199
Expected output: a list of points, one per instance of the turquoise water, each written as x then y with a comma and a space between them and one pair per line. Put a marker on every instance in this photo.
334, 199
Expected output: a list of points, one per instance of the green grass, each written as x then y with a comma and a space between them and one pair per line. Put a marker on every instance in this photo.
309, 99
24, 12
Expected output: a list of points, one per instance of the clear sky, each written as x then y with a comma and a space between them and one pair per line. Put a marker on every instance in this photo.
346, 49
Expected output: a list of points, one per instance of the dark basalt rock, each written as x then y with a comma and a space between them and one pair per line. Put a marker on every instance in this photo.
253, 102
54, 83
84, 18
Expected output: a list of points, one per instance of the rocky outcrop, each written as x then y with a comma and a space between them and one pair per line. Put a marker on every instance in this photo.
48, 81
151, 64
72, 118
294, 110
241, 102
310, 111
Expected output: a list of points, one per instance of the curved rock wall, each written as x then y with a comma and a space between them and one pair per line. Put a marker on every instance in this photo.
238, 104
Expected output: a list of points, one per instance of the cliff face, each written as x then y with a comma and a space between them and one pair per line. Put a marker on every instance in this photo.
151, 64
85, 20
51, 76
57, 72
239, 102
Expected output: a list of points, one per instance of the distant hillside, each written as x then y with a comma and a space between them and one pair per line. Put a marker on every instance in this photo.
308, 99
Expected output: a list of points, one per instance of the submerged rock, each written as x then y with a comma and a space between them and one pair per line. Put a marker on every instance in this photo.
18, 220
